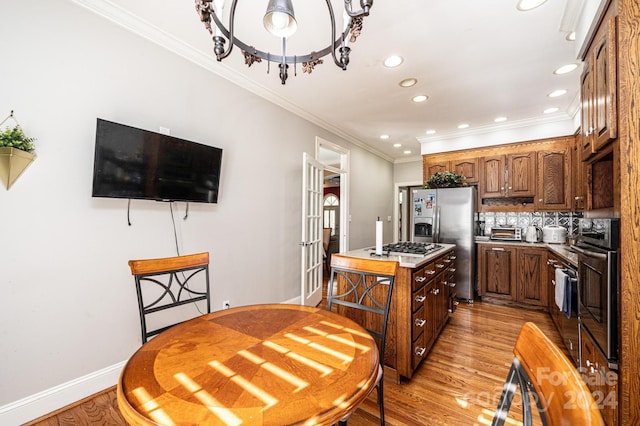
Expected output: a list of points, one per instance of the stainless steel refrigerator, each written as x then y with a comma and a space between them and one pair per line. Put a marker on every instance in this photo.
447, 215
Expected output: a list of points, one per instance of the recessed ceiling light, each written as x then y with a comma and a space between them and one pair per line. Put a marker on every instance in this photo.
431, 132
571, 36
525, 5
566, 68
384, 136
500, 119
407, 152
420, 98
393, 61
397, 145
408, 82
557, 93
550, 110
463, 126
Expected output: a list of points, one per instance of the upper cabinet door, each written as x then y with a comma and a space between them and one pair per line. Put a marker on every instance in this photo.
521, 175
604, 60
554, 184
587, 96
433, 168
468, 168
492, 177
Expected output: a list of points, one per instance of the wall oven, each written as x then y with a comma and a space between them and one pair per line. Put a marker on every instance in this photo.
598, 289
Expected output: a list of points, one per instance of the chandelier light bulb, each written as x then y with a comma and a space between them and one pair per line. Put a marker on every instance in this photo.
279, 19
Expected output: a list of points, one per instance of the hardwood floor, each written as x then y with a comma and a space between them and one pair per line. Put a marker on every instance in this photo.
458, 384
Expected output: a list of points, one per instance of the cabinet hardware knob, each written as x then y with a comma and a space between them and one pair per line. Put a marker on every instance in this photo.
452, 269
454, 257
420, 322
430, 272
420, 351
509, 187
420, 299
439, 265
540, 199
452, 284
420, 279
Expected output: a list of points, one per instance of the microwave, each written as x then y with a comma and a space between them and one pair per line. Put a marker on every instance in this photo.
506, 233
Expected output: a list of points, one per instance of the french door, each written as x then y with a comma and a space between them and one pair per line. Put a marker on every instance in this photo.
311, 244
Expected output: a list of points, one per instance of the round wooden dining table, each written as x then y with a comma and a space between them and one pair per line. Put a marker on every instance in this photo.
272, 364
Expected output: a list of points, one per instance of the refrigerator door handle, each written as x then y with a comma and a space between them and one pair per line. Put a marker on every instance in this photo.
436, 219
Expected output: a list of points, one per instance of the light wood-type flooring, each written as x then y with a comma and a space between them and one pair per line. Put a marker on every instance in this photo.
458, 384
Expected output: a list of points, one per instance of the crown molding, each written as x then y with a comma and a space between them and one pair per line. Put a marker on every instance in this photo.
148, 31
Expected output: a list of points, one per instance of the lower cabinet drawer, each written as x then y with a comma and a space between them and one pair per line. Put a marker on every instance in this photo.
419, 350
418, 299
419, 321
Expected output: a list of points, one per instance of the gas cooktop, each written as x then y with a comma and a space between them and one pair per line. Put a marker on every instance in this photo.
405, 248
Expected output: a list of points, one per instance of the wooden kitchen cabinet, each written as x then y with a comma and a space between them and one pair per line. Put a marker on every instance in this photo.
437, 167
513, 273
579, 177
492, 177
497, 271
598, 91
421, 304
554, 180
531, 276
521, 175
601, 380
511, 175
467, 167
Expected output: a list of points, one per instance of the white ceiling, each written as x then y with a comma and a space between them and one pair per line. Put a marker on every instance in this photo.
475, 60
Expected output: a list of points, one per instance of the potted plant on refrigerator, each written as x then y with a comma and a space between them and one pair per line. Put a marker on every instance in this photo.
16, 152
445, 180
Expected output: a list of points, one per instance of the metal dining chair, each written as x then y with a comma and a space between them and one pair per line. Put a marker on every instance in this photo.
540, 368
361, 289
170, 283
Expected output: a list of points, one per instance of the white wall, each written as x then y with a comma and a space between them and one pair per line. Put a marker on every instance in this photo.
68, 305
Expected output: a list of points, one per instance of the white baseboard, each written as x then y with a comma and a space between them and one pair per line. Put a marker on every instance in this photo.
37, 405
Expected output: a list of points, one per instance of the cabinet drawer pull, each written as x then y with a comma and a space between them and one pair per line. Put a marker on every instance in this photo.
452, 284
439, 265
447, 261
435, 291
452, 269
420, 351
420, 322
454, 257
497, 249
420, 299
420, 279
430, 272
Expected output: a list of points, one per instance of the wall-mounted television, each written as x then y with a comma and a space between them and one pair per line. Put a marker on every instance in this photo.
139, 164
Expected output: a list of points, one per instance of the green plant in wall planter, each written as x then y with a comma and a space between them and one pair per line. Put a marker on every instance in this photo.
445, 180
16, 152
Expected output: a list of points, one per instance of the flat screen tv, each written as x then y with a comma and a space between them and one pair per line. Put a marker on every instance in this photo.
136, 163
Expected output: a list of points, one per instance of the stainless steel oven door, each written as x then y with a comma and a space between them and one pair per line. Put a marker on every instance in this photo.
598, 297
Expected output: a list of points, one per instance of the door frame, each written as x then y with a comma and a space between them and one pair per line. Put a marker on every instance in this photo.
343, 171
396, 205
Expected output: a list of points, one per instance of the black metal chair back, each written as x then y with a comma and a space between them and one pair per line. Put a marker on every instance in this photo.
169, 283
362, 289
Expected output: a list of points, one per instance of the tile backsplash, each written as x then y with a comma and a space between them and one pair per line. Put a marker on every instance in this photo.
568, 220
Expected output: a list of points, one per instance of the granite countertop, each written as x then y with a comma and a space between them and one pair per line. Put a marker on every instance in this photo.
405, 261
562, 250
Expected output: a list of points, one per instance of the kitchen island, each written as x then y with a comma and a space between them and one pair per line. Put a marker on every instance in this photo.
423, 297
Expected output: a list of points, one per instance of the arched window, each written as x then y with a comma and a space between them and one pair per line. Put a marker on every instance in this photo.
331, 207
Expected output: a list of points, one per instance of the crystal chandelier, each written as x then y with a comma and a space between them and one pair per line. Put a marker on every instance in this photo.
280, 21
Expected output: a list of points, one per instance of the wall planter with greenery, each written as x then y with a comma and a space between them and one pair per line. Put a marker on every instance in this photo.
16, 152
445, 180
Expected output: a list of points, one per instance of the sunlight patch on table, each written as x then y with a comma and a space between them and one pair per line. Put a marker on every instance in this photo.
288, 377
151, 407
319, 367
208, 400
